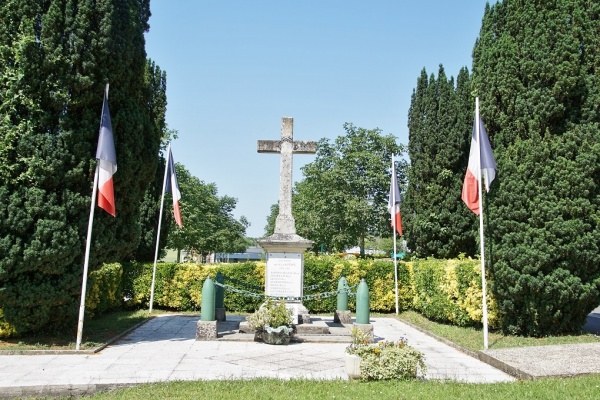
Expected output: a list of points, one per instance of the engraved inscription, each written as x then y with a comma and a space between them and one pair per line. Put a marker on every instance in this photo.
284, 275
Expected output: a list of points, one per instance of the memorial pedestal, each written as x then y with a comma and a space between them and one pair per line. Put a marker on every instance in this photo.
284, 275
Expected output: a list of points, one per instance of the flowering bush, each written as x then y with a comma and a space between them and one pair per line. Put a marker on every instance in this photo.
271, 315
386, 359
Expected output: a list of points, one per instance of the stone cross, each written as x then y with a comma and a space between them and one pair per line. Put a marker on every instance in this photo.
285, 224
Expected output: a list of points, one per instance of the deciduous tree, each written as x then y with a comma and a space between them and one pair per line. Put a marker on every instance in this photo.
208, 222
343, 197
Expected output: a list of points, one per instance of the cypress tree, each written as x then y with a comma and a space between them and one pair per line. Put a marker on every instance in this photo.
150, 206
436, 223
55, 59
537, 73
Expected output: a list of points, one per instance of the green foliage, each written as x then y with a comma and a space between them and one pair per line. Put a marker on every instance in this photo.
388, 360
149, 214
104, 290
271, 218
471, 338
349, 183
138, 282
547, 269
208, 222
440, 122
580, 388
429, 299
442, 290
270, 314
55, 59
248, 276
537, 73
179, 286
450, 291
104, 294
319, 272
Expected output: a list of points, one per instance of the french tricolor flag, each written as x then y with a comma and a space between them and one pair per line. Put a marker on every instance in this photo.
394, 201
107, 160
481, 162
173, 187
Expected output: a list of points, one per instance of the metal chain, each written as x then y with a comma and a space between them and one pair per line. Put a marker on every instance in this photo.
241, 283
322, 295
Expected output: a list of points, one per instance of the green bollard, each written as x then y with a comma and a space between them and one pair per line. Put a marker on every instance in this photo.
362, 303
220, 293
207, 311
342, 295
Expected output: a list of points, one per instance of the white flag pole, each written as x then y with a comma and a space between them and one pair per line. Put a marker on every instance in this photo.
86, 262
480, 178
162, 202
394, 229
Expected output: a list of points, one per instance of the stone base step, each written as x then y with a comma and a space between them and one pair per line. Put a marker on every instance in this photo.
320, 330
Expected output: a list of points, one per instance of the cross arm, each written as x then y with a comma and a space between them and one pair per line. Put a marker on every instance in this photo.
269, 146
301, 147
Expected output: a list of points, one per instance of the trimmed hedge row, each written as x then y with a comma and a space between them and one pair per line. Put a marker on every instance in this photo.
104, 290
450, 291
442, 290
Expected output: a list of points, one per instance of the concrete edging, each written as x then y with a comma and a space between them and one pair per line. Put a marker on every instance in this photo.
69, 391
480, 355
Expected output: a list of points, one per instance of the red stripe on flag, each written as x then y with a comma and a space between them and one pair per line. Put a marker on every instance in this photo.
106, 197
398, 221
177, 213
470, 192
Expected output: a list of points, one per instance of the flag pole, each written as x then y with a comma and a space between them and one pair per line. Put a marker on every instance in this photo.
479, 179
162, 202
394, 230
86, 262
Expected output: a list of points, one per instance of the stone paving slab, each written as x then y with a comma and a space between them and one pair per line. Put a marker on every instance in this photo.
165, 349
553, 360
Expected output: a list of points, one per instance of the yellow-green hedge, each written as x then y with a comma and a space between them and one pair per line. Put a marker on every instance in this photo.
443, 290
450, 291
104, 290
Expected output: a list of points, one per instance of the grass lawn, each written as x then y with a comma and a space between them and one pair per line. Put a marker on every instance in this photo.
96, 331
266, 389
472, 338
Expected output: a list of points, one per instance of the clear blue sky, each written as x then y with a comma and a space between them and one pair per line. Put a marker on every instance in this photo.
234, 68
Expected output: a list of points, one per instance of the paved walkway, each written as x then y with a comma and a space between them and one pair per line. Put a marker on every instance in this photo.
165, 349
555, 360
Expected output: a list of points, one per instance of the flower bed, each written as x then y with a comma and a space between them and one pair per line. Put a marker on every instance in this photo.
272, 323
388, 360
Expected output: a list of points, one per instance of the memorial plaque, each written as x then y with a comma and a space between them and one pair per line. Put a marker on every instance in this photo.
284, 275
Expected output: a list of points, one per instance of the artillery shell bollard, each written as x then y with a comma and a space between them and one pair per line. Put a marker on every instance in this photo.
206, 329
219, 298
363, 311
342, 314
